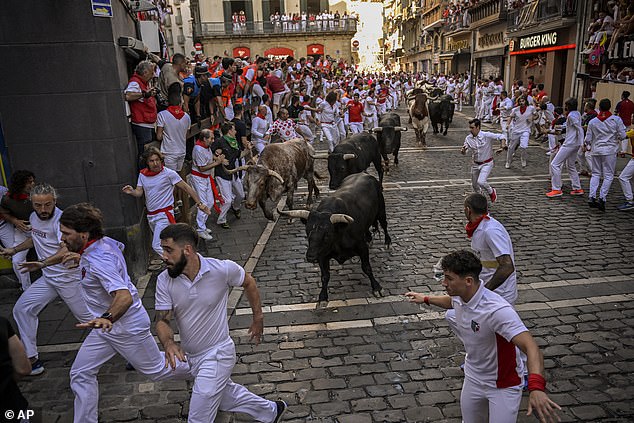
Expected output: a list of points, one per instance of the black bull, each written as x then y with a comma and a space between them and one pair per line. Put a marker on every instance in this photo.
388, 133
353, 155
441, 113
339, 227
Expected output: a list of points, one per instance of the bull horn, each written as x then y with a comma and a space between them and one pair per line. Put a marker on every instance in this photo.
275, 175
377, 129
400, 128
320, 156
340, 218
298, 214
237, 169
349, 156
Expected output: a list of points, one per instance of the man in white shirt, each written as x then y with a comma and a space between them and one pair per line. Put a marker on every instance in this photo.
157, 183
259, 130
481, 145
505, 106
120, 323
487, 100
520, 122
370, 113
567, 154
491, 332
172, 125
56, 280
603, 139
194, 291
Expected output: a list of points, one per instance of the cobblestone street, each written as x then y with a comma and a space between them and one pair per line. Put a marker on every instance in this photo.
365, 359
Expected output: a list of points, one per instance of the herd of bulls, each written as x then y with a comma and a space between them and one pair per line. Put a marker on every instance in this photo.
339, 226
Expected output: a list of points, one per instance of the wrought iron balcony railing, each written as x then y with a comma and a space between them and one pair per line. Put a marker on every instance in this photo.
484, 11
325, 26
538, 11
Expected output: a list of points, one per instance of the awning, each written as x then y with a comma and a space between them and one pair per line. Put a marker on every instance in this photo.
447, 55
439, 22
489, 53
315, 49
278, 53
241, 52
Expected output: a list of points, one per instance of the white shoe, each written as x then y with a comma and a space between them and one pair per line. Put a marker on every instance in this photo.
205, 235
549, 153
208, 231
523, 162
507, 165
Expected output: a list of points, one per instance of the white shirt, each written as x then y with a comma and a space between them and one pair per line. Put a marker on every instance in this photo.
521, 122
202, 156
159, 189
200, 306
574, 131
490, 241
486, 325
259, 127
174, 133
47, 239
369, 105
482, 145
604, 138
328, 113
103, 270
506, 106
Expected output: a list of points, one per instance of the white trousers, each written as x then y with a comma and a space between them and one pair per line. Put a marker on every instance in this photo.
174, 162
552, 142
625, 178
20, 257
371, 121
381, 108
213, 389
602, 167
138, 348
517, 140
202, 186
39, 295
342, 130
478, 108
157, 223
585, 163
487, 102
233, 193
481, 404
479, 175
259, 145
504, 125
304, 131
331, 132
566, 156
356, 127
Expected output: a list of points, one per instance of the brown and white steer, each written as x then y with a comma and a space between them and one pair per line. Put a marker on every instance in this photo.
419, 114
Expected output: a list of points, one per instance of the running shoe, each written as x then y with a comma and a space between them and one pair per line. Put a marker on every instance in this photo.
601, 204
554, 193
37, 368
205, 235
507, 165
493, 195
592, 203
281, 409
577, 192
225, 226
628, 205
236, 213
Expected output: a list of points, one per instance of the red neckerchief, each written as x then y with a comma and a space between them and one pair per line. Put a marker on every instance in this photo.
523, 109
147, 172
88, 244
604, 115
199, 143
176, 111
472, 226
19, 196
263, 117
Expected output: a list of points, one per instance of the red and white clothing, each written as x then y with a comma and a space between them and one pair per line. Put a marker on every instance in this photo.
259, 128
355, 116
603, 139
200, 309
481, 147
567, 153
55, 280
103, 271
493, 368
284, 128
490, 240
201, 182
159, 201
519, 132
370, 109
328, 117
175, 123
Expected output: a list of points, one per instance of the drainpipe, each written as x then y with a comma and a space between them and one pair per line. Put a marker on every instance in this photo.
574, 89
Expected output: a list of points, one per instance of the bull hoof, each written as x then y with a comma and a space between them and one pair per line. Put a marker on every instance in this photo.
378, 293
321, 304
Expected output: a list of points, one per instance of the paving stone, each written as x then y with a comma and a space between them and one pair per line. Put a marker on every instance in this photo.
368, 404
332, 408
588, 412
423, 414
355, 418
319, 384
388, 416
435, 398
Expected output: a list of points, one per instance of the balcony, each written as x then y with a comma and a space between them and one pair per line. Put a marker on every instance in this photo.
540, 11
178, 19
456, 23
333, 26
487, 12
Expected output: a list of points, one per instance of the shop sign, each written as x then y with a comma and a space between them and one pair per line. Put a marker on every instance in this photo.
102, 8
315, 49
491, 40
278, 53
458, 45
241, 52
538, 41
623, 50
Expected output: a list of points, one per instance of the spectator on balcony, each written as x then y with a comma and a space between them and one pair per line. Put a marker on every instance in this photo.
623, 27
276, 20
304, 19
344, 21
235, 22
242, 19
336, 17
600, 36
331, 20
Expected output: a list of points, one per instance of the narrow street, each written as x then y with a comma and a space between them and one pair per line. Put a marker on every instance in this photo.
363, 359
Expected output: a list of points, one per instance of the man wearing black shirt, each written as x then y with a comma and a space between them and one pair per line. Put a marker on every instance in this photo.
13, 364
230, 185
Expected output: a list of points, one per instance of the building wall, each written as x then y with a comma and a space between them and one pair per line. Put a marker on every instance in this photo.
337, 46
68, 123
175, 29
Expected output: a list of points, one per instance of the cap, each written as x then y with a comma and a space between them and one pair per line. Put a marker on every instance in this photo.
201, 70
